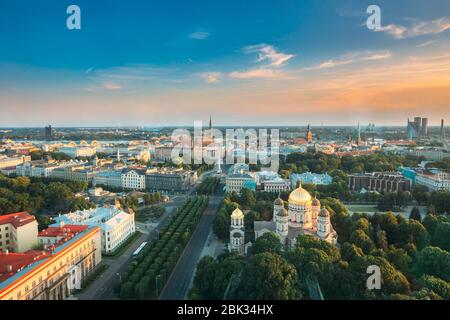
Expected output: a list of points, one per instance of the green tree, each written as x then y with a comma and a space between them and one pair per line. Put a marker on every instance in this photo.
268, 276
439, 286
441, 237
268, 242
433, 261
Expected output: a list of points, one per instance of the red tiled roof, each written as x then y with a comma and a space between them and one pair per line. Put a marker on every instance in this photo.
11, 263
17, 219
64, 231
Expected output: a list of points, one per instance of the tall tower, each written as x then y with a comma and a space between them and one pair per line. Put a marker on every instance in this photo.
442, 135
424, 129
323, 223
118, 155
359, 135
282, 224
210, 122
309, 135
237, 231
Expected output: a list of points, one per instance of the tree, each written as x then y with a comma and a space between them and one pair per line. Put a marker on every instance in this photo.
412, 231
441, 201
433, 261
221, 225
268, 276
441, 236
350, 251
439, 286
268, 242
415, 214
247, 198
362, 240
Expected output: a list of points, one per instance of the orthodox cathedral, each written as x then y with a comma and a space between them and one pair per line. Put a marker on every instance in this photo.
304, 216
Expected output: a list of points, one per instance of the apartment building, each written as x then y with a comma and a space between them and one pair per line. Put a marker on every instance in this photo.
18, 232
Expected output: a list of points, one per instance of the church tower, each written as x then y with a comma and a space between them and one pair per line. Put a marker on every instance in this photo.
282, 224
315, 209
237, 231
323, 223
309, 135
278, 204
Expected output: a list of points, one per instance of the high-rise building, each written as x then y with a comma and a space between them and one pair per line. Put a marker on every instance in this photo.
48, 133
424, 129
442, 134
414, 128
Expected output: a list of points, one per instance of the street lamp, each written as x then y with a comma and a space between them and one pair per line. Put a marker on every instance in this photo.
120, 276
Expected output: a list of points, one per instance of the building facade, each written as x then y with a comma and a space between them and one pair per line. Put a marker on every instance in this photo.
116, 225
378, 181
303, 217
310, 178
18, 232
50, 274
133, 179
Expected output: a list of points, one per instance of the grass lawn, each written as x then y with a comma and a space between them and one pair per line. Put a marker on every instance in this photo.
124, 245
362, 209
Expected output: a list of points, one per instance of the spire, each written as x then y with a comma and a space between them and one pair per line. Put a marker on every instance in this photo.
210, 122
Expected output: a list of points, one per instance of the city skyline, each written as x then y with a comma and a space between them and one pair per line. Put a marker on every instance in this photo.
253, 64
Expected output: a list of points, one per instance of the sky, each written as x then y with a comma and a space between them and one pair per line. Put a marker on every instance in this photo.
169, 63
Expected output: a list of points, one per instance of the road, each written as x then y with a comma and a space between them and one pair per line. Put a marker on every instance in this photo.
102, 288
179, 282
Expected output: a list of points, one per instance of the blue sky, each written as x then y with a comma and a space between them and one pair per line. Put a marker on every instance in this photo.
171, 62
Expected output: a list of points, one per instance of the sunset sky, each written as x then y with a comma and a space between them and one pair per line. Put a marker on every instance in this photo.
244, 62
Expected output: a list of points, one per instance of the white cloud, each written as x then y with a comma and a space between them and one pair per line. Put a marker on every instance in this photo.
268, 53
112, 86
417, 28
199, 35
211, 77
352, 57
426, 43
378, 56
258, 74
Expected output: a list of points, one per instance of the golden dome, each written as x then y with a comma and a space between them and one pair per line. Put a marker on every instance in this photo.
237, 214
299, 196
316, 202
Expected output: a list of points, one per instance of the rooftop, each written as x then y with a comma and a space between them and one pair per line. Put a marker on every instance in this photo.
17, 219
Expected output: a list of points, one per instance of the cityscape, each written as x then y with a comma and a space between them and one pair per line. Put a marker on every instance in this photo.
272, 170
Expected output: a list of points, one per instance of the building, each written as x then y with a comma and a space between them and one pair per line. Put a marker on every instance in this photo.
133, 178
424, 128
309, 135
18, 232
163, 153
378, 181
235, 182
38, 168
80, 173
6, 162
82, 150
433, 154
303, 217
237, 232
175, 180
434, 181
116, 225
48, 133
276, 185
108, 179
310, 178
53, 273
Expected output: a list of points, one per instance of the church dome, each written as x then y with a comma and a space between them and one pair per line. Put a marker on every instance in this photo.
278, 202
299, 196
282, 213
237, 214
324, 213
315, 202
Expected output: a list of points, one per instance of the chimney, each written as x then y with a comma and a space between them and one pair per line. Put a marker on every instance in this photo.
9, 268
6, 252
61, 224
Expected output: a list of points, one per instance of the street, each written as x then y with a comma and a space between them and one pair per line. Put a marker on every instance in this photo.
179, 282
